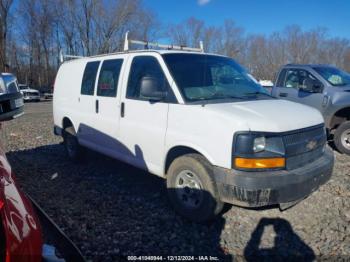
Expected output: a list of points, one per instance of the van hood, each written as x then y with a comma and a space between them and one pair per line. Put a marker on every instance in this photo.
268, 115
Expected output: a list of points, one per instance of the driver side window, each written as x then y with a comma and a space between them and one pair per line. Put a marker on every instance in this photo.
307, 80
144, 66
301, 79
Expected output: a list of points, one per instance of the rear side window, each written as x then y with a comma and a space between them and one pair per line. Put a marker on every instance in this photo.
109, 76
89, 78
143, 66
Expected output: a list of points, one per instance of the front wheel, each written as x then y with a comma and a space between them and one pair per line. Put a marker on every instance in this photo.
342, 138
192, 189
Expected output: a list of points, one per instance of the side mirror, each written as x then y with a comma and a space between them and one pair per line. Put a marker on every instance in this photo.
11, 106
312, 86
317, 87
151, 88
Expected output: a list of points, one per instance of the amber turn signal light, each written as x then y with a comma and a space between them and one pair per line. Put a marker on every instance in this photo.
260, 162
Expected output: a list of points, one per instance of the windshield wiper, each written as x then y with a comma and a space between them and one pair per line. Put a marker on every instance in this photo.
257, 93
219, 96
223, 96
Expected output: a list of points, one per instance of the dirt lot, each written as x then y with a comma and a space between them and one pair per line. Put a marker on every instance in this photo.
111, 209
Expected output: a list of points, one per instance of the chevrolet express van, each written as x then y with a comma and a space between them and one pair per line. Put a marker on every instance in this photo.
198, 120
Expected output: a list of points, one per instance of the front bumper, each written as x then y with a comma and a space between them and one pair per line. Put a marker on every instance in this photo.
256, 189
11, 106
31, 97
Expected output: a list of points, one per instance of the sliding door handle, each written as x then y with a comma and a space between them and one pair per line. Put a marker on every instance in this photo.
96, 106
122, 109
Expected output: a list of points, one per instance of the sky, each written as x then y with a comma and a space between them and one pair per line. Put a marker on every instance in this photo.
260, 16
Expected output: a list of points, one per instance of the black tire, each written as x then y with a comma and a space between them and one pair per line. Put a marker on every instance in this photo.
342, 138
209, 204
73, 149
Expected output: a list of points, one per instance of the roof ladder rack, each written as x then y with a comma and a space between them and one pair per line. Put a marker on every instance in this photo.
62, 56
147, 45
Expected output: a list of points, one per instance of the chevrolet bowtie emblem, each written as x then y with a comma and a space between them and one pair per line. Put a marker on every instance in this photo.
311, 144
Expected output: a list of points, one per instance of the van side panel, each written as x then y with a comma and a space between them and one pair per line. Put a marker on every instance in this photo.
67, 91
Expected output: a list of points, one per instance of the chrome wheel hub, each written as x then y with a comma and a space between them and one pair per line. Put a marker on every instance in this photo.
189, 189
345, 138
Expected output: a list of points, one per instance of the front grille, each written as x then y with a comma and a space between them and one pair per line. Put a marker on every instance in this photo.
31, 94
303, 159
304, 145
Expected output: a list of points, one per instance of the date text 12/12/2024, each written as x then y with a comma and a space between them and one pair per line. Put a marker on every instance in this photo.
172, 258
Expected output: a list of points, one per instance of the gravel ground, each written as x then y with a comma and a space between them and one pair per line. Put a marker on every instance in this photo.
110, 209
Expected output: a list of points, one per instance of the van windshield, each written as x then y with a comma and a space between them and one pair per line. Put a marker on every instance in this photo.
334, 76
9, 79
209, 77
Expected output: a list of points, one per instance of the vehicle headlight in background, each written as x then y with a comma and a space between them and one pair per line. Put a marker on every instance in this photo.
2, 86
258, 151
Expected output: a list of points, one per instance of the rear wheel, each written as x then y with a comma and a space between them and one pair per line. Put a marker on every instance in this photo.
192, 189
342, 138
73, 148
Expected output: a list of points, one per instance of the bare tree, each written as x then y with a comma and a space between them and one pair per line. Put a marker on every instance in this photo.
232, 43
334, 51
111, 23
5, 6
212, 39
87, 27
187, 33
347, 60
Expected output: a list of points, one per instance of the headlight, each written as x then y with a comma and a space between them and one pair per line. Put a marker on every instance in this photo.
259, 144
257, 151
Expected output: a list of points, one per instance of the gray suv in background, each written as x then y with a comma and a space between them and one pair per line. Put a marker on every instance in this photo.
324, 87
11, 99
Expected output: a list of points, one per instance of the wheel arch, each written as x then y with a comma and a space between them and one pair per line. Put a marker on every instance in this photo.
67, 122
180, 150
339, 117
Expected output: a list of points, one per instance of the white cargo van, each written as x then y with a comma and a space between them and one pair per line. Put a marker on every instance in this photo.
197, 119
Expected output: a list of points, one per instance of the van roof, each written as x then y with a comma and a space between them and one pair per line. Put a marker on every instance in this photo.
161, 52
151, 51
